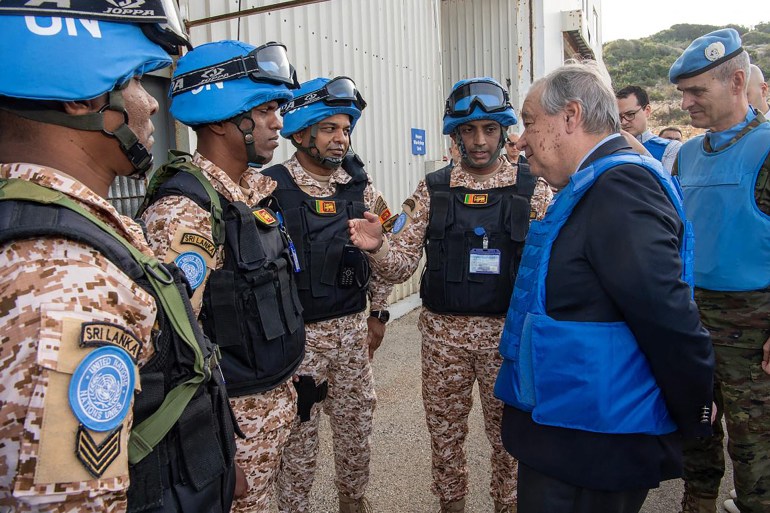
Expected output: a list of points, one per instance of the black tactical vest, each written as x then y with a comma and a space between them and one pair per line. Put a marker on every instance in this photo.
334, 274
250, 306
191, 468
457, 214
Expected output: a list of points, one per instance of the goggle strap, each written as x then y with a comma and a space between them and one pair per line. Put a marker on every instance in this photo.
151, 12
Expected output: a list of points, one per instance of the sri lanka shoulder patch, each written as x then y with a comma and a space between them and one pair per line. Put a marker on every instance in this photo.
265, 217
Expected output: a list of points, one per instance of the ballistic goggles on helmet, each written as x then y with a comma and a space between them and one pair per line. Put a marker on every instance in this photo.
159, 19
339, 91
490, 97
267, 63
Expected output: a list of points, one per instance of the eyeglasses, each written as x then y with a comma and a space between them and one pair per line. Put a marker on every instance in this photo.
463, 100
339, 91
510, 143
630, 115
268, 63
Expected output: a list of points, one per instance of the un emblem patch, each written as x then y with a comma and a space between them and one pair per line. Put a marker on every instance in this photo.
102, 387
193, 266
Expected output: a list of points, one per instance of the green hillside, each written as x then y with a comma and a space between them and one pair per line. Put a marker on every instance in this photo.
646, 61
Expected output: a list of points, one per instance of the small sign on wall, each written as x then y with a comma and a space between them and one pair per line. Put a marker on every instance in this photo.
418, 141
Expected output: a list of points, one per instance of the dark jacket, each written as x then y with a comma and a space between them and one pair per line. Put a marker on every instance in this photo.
617, 258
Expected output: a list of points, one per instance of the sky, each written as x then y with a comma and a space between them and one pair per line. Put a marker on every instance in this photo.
626, 19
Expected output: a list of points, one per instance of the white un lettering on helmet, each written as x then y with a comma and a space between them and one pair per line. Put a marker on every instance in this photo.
56, 25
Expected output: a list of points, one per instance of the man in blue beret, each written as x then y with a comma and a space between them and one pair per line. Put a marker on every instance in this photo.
724, 174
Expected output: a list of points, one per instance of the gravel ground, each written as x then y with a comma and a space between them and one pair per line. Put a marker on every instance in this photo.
400, 468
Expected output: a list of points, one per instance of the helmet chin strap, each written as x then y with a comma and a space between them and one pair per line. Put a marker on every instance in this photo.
254, 159
464, 153
314, 153
137, 154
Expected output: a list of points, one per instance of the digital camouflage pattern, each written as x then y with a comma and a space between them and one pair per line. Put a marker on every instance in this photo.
373, 199
49, 288
739, 323
456, 350
336, 350
265, 418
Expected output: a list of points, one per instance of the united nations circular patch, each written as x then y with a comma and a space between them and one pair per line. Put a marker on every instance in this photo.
193, 266
101, 388
400, 223
714, 51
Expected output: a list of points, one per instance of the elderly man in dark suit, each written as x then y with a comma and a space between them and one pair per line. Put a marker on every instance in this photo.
606, 364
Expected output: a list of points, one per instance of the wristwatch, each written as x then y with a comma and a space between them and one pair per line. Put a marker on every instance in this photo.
381, 315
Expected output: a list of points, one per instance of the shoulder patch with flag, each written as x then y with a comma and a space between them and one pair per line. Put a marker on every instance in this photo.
265, 217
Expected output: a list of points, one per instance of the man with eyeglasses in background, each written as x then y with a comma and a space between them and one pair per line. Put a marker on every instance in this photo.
634, 108
318, 190
471, 220
512, 153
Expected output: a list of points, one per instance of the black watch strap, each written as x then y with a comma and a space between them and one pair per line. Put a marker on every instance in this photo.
381, 315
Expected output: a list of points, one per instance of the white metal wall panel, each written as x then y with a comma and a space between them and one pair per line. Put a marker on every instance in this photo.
487, 38
391, 48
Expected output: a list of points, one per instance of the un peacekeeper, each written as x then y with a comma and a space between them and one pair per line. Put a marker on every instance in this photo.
319, 188
105, 377
201, 217
724, 175
605, 363
471, 219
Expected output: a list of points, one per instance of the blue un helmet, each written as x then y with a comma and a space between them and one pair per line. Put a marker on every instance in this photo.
224, 80
475, 99
315, 101
50, 55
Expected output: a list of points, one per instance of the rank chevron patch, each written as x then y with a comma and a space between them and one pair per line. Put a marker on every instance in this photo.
97, 457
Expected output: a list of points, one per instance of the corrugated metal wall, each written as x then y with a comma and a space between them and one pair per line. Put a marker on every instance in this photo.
487, 38
390, 48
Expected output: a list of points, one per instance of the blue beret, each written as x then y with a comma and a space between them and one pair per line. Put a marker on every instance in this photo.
705, 53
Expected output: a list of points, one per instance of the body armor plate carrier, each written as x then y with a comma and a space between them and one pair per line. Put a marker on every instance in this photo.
457, 216
182, 442
250, 306
334, 276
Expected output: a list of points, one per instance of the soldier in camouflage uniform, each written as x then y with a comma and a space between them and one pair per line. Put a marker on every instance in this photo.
318, 189
724, 175
464, 309
76, 327
180, 230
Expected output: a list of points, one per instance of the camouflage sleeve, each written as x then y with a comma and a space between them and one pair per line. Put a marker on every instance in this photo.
762, 188
263, 185
63, 302
379, 288
399, 260
179, 231
541, 198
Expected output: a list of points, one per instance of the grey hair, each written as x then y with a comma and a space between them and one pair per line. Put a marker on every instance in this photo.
587, 83
724, 72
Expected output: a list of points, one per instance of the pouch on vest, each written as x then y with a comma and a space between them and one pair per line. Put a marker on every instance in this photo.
334, 274
460, 221
178, 379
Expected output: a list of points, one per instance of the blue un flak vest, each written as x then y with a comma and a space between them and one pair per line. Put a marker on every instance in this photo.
656, 146
590, 376
733, 234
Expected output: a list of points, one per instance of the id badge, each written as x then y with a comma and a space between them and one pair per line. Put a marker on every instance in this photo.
485, 261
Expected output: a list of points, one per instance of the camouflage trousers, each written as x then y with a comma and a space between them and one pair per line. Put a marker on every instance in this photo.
448, 375
265, 419
336, 352
742, 394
